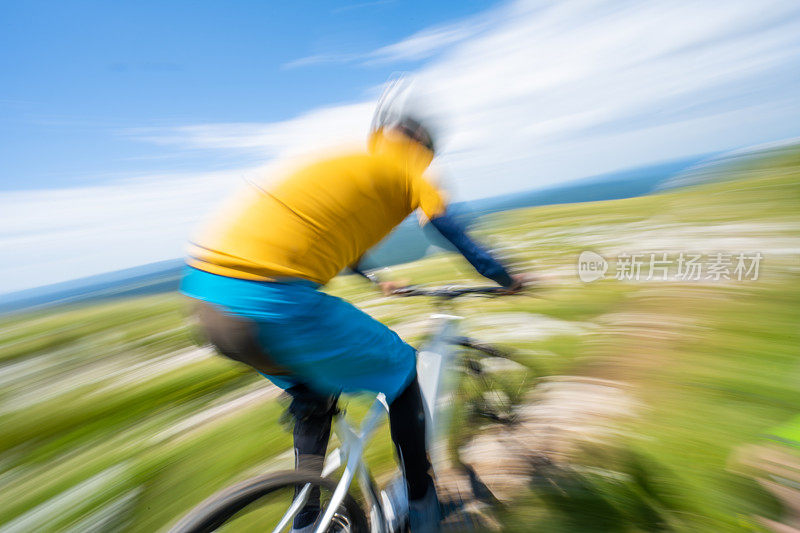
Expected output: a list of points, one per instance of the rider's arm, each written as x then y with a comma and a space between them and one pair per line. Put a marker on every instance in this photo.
486, 265
431, 201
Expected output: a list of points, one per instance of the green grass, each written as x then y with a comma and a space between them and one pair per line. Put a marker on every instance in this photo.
92, 395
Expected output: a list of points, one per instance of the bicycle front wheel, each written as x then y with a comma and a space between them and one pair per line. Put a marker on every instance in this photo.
267, 503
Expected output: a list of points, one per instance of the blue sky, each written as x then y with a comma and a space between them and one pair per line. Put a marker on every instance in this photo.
123, 123
78, 74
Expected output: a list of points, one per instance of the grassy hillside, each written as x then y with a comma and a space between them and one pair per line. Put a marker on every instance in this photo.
113, 420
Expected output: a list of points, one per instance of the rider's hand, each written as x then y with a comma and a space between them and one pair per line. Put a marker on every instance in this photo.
388, 287
522, 281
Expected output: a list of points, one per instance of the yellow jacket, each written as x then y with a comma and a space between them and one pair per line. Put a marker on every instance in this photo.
321, 218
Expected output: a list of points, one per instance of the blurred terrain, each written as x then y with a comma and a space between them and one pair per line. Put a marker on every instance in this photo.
659, 405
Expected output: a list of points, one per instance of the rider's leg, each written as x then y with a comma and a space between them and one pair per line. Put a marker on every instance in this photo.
313, 414
407, 425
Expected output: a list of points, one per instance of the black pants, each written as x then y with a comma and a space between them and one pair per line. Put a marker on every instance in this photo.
313, 414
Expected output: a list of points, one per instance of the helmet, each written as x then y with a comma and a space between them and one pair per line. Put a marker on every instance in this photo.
396, 111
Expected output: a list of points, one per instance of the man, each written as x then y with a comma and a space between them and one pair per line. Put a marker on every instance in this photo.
256, 269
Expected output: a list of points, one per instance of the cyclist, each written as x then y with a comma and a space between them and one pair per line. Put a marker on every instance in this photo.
255, 272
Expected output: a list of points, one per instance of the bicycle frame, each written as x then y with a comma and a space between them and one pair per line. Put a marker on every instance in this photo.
436, 384
432, 360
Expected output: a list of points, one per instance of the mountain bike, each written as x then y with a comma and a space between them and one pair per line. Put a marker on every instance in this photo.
273, 500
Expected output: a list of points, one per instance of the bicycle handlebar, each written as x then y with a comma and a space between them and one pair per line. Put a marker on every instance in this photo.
448, 293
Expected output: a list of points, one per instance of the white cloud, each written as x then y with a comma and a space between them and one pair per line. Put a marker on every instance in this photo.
324, 127
427, 42
322, 59
533, 93
520, 85
554, 75
60, 234
420, 45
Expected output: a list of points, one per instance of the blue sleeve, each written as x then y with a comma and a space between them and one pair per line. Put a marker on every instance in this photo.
484, 263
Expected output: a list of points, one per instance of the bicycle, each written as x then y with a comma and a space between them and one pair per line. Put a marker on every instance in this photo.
387, 508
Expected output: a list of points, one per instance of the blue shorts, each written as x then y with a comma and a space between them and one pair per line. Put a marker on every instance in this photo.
325, 342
